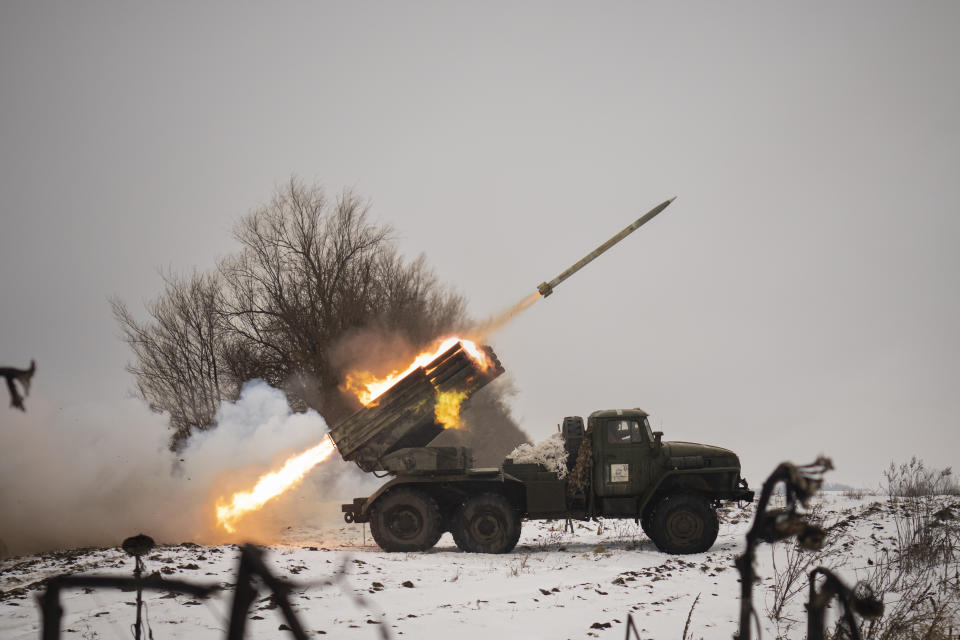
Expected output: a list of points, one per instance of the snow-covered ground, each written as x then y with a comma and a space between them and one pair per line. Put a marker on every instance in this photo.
553, 585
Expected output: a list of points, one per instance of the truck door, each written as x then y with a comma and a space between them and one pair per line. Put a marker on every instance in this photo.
624, 457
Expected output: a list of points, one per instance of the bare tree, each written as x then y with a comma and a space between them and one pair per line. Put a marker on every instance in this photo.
310, 275
309, 272
179, 353
414, 303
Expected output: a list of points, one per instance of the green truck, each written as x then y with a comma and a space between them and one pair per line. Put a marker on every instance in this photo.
616, 467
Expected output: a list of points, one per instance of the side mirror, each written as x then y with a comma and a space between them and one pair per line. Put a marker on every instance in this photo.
657, 438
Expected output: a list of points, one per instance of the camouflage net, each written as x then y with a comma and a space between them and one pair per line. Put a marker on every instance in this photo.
550, 453
580, 475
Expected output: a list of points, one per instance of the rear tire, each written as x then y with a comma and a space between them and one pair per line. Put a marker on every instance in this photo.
487, 523
684, 523
405, 520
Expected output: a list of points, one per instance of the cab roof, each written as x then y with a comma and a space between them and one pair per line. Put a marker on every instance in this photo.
619, 413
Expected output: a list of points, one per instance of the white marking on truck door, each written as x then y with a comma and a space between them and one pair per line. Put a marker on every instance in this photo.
620, 472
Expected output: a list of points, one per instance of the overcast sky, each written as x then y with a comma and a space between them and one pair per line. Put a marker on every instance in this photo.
802, 295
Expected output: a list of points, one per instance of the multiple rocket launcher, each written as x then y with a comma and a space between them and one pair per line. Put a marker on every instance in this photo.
393, 432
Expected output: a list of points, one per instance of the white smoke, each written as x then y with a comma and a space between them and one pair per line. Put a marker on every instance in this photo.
258, 429
92, 475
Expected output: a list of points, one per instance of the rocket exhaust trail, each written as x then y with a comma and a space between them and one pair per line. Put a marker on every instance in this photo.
495, 323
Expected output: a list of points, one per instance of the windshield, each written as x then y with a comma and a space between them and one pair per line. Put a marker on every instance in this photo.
628, 431
647, 429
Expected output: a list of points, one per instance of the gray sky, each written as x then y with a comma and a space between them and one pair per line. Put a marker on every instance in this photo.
800, 296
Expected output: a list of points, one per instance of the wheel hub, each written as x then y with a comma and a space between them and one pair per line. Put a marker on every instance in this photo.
404, 523
684, 526
486, 526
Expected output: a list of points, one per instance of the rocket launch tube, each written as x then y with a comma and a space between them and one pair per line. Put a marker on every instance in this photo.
546, 288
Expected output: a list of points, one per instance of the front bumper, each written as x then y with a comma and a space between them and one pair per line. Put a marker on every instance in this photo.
743, 492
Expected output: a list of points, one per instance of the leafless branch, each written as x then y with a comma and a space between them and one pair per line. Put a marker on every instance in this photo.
770, 525
24, 377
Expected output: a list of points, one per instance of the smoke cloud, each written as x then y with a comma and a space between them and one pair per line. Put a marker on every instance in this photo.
374, 349
93, 475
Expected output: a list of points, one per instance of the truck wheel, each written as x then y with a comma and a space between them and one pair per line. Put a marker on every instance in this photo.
684, 523
486, 523
405, 520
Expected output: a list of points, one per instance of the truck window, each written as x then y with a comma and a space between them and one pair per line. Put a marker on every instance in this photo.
648, 430
623, 432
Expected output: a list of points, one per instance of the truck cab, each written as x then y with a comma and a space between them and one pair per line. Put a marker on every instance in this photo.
619, 467
626, 452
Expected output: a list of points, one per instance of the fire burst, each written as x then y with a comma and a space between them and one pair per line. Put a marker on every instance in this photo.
272, 484
447, 408
368, 387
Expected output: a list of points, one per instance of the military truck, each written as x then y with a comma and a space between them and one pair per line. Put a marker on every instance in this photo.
617, 467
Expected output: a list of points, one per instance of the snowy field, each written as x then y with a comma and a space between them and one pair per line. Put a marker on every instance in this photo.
553, 585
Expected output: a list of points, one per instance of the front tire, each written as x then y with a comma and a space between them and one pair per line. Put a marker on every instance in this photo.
405, 520
487, 523
646, 523
684, 523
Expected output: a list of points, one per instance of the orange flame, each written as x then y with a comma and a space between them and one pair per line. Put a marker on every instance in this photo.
367, 387
271, 485
447, 408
